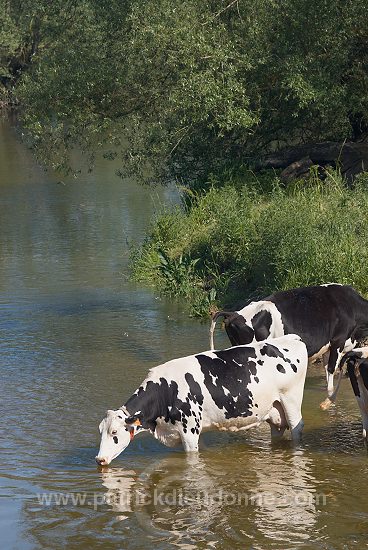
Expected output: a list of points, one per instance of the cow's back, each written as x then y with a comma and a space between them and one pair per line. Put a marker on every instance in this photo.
313, 312
245, 380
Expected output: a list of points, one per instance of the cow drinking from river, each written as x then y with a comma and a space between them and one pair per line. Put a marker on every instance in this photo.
233, 389
328, 318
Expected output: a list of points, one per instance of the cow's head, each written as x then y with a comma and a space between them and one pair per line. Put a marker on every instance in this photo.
117, 430
238, 331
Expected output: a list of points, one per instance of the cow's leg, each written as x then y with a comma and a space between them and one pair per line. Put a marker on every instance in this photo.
297, 431
190, 431
190, 442
364, 414
276, 431
365, 427
331, 366
329, 380
337, 350
325, 358
362, 399
291, 404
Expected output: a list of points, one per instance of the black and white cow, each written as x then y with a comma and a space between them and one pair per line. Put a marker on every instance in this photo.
233, 389
328, 318
357, 369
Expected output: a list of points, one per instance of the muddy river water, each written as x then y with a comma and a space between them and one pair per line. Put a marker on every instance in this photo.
77, 337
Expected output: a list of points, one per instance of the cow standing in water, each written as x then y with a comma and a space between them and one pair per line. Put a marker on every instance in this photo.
357, 370
233, 389
328, 318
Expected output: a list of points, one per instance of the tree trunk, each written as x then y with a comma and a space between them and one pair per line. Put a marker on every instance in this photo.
351, 158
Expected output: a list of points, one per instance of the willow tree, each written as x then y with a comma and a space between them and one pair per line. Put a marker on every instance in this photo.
186, 87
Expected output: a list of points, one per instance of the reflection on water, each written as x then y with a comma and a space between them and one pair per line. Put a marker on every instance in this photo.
288, 510
120, 494
76, 338
187, 499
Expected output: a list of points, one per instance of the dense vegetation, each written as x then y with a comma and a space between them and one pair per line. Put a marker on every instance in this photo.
199, 91
184, 87
233, 242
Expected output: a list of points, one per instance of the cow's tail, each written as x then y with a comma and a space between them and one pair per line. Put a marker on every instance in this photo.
330, 400
358, 354
215, 316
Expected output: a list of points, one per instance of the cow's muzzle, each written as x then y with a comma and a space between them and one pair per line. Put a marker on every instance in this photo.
102, 461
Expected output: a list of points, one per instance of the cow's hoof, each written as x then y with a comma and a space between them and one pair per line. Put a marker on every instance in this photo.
326, 404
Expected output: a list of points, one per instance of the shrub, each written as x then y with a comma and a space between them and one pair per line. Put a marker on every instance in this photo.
234, 243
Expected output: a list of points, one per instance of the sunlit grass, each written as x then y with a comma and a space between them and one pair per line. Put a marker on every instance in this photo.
234, 242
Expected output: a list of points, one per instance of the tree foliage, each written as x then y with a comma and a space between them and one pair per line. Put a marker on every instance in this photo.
181, 88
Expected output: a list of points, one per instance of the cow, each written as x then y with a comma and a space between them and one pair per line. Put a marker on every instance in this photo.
232, 389
357, 370
328, 318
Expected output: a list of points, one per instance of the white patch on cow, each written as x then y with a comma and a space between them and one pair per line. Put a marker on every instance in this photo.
214, 378
349, 345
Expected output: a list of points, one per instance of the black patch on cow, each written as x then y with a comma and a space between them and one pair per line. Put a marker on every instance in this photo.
363, 367
158, 399
293, 367
272, 351
280, 368
195, 390
298, 361
116, 441
261, 323
260, 362
256, 379
252, 367
322, 314
228, 367
237, 329
353, 378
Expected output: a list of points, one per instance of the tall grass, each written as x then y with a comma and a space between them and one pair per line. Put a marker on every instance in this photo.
234, 243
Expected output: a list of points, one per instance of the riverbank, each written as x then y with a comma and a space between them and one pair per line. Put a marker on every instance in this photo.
243, 239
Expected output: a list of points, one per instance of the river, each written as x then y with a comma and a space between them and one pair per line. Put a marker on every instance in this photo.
77, 337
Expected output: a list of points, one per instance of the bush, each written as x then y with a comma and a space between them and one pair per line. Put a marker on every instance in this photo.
234, 243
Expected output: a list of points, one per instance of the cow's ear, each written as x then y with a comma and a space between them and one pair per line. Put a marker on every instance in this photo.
100, 428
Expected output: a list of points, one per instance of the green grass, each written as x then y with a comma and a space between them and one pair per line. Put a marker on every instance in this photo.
234, 242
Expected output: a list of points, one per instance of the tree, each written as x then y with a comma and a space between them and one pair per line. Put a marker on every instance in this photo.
178, 89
